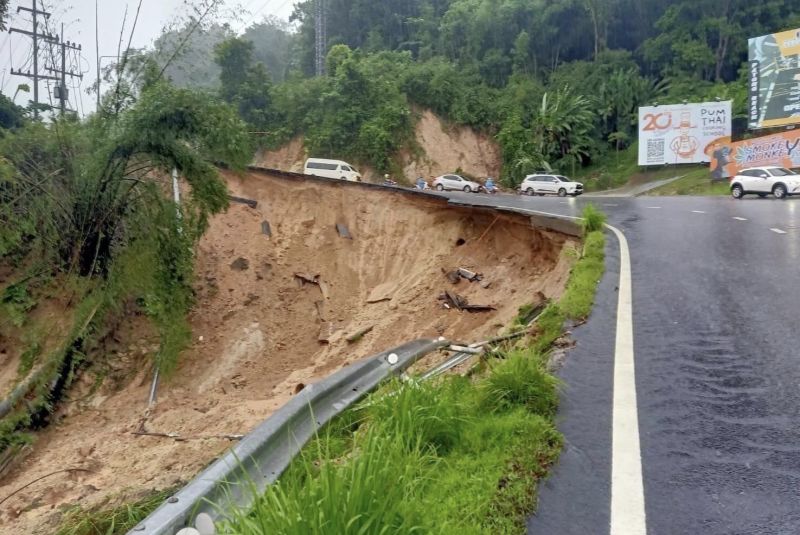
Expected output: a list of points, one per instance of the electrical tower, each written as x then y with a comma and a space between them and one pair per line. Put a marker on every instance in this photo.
36, 36
59, 72
321, 35
61, 92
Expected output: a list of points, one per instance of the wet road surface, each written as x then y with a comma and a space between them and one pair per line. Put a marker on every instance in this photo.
716, 307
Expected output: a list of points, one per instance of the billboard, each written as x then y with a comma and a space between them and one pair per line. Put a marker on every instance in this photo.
728, 158
774, 71
678, 133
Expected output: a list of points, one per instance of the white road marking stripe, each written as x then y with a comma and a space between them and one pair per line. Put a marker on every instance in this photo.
655, 207
740, 218
627, 490
778, 231
698, 212
628, 515
609, 204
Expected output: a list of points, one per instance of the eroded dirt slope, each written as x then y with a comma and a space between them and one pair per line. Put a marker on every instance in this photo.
440, 148
257, 329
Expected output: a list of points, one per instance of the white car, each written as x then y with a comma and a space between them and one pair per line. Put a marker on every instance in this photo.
544, 184
455, 182
762, 181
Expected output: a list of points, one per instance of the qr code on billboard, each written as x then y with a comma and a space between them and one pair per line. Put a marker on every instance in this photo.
655, 150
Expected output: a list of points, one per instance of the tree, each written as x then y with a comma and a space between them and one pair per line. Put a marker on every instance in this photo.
3, 14
235, 59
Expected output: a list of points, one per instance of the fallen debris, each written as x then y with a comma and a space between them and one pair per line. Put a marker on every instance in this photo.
181, 438
326, 332
241, 200
240, 264
343, 231
453, 300
358, 335
471, 276
266, 229
307, 278
456, 275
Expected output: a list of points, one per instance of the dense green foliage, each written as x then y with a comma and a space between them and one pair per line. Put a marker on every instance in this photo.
557, 82
86, 213
425, 458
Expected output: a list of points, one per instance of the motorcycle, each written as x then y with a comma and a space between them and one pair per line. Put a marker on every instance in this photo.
489, 188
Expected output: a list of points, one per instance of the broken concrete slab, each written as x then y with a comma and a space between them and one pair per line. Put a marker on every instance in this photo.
266, 229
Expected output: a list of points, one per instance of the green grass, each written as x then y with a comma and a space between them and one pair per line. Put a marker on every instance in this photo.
615, 170
695, 182
577, 301
454, 457
110, 521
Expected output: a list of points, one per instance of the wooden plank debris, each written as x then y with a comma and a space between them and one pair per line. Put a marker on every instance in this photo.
358, 335
453, 300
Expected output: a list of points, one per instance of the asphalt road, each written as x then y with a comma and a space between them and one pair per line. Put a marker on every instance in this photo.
716, 308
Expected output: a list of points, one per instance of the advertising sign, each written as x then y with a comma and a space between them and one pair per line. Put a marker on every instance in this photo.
727, 158
774, 79
679, 133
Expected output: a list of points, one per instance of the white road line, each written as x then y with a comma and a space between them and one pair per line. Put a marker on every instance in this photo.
627, 490
698, 212
778, 231
740, 218
655, 207
609, 204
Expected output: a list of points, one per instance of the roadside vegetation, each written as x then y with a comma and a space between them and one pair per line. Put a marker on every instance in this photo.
462, 454
88, 224
110, 521
695, 182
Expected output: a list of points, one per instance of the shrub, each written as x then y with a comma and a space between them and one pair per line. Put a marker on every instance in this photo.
520, 381
593, 219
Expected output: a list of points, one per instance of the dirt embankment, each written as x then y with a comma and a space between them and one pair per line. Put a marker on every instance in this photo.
440, 148
258, 329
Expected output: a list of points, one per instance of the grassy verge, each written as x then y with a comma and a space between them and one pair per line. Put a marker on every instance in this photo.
615, 170
696, 182
460, 456
112, 520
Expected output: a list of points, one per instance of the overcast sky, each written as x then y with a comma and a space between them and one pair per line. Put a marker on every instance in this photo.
78, 17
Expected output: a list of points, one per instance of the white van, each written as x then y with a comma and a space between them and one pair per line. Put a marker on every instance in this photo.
331, 169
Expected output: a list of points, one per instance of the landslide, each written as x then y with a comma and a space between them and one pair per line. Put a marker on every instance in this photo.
438, 148
258, 329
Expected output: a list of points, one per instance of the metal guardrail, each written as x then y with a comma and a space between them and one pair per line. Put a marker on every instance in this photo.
260, 458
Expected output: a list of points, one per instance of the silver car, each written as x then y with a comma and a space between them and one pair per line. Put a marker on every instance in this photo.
455, 182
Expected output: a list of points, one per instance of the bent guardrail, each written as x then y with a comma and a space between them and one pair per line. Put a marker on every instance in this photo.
260, 458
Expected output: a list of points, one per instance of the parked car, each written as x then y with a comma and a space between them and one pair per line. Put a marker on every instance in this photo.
762, 181
455, 182
547, 184
331, 169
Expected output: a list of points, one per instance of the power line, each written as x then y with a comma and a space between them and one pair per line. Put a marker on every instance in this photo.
35, 36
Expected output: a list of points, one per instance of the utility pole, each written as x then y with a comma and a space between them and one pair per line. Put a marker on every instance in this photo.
36, 36
62, 93
321, 36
